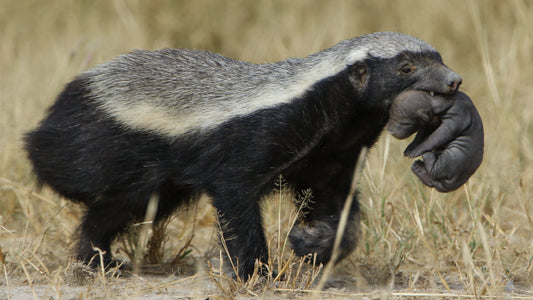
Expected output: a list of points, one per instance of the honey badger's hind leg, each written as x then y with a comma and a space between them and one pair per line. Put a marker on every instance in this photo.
112, 214
104, 220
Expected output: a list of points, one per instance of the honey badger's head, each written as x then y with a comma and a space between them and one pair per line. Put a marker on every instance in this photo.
394, 62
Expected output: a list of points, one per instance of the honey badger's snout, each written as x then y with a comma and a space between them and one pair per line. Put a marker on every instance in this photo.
446, 80
438, 79
453, 80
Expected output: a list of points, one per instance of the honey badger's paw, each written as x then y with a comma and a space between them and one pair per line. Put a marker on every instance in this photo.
318, 239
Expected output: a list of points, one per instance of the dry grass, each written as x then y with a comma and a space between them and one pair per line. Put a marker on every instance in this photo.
416, 243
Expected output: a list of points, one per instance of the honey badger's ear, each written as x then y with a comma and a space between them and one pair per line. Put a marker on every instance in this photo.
358, 75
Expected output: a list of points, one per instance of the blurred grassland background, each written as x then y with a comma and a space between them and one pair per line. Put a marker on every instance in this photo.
475, 241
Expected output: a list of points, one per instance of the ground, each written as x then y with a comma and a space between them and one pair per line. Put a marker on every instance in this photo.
416, 242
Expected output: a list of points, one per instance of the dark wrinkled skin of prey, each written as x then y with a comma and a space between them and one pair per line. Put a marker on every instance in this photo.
450, 136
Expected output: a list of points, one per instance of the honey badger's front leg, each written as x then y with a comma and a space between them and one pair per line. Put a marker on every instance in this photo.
316, 232
242, 233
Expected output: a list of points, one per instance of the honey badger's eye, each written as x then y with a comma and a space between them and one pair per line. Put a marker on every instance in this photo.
406, 69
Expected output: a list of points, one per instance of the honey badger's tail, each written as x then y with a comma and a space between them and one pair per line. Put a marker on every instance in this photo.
56, 147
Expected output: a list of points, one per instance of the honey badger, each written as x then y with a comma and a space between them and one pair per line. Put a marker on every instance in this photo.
181, 123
